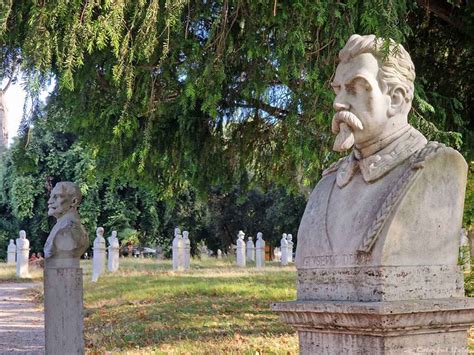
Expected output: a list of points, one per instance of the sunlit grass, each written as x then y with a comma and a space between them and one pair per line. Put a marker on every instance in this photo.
213, 308
8, 274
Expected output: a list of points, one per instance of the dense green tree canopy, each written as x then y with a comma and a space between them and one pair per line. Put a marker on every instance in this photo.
159, 102
172, 92
139, 214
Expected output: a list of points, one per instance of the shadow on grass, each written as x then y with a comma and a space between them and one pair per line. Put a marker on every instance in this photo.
127, 312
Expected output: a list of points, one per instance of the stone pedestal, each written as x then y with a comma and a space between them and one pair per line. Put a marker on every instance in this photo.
98, 258
250, 250
186, 253
178, 253
240, 251
98, 261
204, 252
433, 326
113, 252
22, 256
260, 251
284, 250
380, 283
276, 254
113, 258
11, 253
63, 311
291, 246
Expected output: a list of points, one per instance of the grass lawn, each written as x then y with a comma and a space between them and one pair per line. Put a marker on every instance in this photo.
8, 274
215, 308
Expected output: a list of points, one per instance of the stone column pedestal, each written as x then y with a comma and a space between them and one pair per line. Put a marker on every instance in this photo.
11, 258
22, 269
433, 326
63, 311
113, 259
98, 261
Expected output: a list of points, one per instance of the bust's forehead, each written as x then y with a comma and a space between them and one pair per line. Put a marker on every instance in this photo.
58, 189
365, 65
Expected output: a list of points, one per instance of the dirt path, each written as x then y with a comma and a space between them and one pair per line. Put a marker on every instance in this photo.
21, 320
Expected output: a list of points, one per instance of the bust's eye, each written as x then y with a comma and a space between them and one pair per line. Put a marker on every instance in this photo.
358, 84
336, 88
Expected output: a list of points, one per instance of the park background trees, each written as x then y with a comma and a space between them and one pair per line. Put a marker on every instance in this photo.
210, 115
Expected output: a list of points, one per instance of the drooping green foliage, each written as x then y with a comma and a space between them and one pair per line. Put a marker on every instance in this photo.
159, 102
30, 170
140, 215
443, 56
199, 91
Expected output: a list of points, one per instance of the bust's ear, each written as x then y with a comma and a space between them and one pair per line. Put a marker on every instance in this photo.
398, 99
74, 202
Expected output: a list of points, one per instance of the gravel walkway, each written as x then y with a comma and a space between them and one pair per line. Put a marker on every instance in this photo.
21, 320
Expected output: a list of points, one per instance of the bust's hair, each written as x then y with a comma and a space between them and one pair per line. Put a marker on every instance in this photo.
71, 189
395, 69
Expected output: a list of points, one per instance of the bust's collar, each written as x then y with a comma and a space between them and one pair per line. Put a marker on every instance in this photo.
377, 159
370, 148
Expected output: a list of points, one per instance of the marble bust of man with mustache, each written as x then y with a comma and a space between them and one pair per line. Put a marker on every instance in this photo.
396, 199
68, 239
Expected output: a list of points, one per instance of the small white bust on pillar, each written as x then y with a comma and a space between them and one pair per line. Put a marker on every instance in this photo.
291, 244
113, 252
250, 250
260, 251
284, 250
98, 258
204, 252
177, 250
241, 249
186, 250
276, 254
11, 252
63, 293
22, 256
219, 254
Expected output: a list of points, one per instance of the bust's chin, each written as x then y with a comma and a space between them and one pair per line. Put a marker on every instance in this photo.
55, 213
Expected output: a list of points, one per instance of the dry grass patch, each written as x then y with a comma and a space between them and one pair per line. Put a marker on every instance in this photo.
8, 273
213, 308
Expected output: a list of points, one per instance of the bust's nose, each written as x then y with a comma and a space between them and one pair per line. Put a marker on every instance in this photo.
339, 106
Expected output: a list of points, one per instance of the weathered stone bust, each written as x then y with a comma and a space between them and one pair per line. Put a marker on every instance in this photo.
68, 239
22, 243
389, 213
113, 240
185, 235
99, 241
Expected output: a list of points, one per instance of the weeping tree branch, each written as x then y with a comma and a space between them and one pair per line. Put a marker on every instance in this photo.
447, 12
10, 79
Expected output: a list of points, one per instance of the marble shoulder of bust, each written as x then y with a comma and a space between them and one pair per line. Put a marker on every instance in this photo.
68, 236
334, 166
432, 151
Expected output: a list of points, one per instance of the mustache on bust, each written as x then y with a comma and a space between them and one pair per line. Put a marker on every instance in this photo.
344, 123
